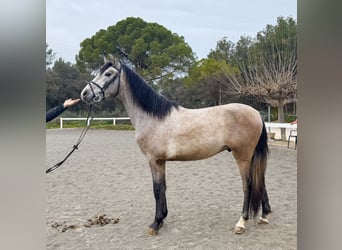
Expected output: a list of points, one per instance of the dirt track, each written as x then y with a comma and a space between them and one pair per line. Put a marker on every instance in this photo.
109, 175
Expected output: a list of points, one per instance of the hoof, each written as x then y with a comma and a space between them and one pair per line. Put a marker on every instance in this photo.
239, 230
152, 232
153, 229
263, 221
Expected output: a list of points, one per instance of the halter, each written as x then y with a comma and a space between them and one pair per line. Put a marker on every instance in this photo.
105, 86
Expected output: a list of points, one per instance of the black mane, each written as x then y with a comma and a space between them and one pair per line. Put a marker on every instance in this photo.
145, 97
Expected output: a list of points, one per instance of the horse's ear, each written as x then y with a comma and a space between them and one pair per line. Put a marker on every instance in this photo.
111, 57
116, 63
105, 60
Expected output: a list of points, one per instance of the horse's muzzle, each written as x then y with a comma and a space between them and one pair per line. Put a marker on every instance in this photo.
87, 96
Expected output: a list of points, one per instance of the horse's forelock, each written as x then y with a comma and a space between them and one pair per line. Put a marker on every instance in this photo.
105, 66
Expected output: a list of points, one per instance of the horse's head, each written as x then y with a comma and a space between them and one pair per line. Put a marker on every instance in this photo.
105, 84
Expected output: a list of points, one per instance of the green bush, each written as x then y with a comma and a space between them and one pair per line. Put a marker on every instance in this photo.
290, 118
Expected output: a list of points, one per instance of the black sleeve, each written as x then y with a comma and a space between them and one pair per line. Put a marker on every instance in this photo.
54, 112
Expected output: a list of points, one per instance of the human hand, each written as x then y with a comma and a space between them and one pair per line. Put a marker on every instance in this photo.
69, 102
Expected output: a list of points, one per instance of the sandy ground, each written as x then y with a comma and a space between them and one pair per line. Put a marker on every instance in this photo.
109, 176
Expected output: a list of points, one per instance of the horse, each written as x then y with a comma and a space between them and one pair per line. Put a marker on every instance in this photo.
166, 131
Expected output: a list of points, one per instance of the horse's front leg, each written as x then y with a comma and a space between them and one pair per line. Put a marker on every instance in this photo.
159, 189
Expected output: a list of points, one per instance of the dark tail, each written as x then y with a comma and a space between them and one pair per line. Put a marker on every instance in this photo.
257, 173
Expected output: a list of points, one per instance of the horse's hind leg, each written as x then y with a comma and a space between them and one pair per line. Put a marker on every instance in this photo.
266, 209
240, 226
159, 189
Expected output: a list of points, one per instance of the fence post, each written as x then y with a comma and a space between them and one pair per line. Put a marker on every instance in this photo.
114, 121
269, 116
61, 122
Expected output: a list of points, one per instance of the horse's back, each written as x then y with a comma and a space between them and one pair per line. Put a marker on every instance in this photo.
229, 115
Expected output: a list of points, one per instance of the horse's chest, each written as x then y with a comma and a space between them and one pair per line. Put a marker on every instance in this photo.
152, 146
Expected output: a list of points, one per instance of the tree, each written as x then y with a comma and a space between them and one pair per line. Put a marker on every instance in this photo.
60, 83
63, 81
204, 78
154, 51
269, 67
49, 56
223, 51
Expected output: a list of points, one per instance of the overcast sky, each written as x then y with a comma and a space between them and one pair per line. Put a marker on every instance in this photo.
201, 23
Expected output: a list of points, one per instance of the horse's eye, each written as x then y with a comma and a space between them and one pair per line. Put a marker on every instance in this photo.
108, 74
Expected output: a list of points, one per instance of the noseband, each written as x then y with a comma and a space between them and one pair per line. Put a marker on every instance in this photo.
105, 86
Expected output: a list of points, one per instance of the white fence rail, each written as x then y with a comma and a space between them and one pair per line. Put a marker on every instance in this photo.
280, 125
269, 125
114, 119
275, 127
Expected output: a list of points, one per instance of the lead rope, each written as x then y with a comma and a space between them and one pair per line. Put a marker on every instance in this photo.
83, 133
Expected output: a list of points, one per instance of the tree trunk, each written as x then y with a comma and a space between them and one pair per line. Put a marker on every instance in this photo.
220, 95
281, 118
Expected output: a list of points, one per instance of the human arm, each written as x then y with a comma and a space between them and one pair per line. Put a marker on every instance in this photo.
56, 111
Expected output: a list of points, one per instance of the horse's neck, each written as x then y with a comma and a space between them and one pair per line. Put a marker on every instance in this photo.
135, 113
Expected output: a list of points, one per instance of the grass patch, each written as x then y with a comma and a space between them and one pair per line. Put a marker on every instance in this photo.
94, 125
113, 127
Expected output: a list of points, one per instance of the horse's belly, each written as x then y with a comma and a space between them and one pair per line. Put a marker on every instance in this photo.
191, 152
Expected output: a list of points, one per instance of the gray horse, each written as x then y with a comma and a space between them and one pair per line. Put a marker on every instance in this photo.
166, 131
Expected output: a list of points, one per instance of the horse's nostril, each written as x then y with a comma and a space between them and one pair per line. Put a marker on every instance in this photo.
97, 98
85, 92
